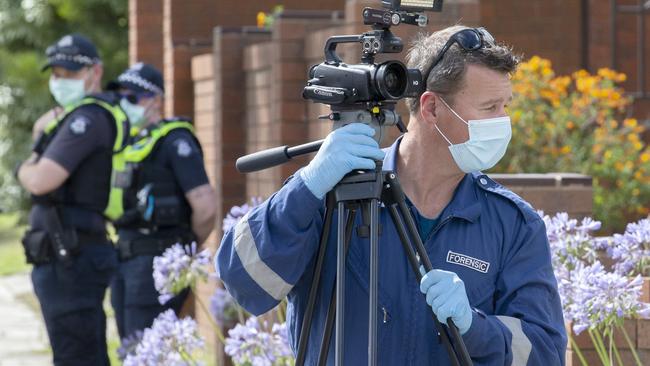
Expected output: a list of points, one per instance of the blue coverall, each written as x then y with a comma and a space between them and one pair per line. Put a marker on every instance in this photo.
489, 236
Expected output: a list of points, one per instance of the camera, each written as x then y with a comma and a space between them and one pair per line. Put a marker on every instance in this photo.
367, 92
359, 93
338, 84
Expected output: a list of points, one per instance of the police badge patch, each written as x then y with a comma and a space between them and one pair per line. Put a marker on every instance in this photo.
183, 148
78, 125
65, 41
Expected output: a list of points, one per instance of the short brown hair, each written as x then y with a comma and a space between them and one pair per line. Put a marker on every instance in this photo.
448, 76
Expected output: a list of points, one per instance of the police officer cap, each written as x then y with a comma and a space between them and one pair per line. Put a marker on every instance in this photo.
72, 52
140, 78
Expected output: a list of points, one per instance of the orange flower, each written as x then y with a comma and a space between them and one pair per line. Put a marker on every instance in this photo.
630, 122
610, 74
645, 157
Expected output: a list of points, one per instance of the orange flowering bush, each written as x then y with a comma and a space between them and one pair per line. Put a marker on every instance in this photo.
579, 123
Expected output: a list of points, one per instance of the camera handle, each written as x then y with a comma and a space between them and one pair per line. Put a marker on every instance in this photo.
330, 47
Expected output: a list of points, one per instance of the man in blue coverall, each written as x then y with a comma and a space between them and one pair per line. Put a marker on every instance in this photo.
492, 267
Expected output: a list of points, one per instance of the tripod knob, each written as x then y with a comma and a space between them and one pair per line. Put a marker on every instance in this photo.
334, 116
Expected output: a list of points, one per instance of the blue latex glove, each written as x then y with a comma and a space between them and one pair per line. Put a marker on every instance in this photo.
446, 295
345, 149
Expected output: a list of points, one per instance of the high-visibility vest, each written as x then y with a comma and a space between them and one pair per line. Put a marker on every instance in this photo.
113, 207
143, 172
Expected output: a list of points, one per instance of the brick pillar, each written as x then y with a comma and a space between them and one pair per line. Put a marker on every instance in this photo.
276, 73
627, 35
289, 74
231, 107
145, 32
262, 133
219, 110
203, 75
187, 31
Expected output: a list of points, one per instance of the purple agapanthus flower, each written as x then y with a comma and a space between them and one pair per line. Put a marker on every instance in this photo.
571, 241
237, 212
169, 341
597, 298
631, 250
252, 344
177, 268
222, 306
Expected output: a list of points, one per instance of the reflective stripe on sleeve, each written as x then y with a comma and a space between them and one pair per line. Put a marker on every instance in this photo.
262, 274
520, 345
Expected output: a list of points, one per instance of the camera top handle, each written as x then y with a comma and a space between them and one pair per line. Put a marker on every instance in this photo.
380, 39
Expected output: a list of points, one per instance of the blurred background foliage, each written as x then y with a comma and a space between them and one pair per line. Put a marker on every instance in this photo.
580, 123
27, 27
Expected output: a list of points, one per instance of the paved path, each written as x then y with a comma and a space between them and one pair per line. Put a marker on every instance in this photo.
23, 339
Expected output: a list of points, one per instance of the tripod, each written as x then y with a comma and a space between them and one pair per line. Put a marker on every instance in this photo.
365, 190
358, 190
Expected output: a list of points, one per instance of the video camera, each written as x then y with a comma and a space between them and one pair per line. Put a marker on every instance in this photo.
366, 92
368, 86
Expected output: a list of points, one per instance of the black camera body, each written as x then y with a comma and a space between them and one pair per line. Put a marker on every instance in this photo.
342, 84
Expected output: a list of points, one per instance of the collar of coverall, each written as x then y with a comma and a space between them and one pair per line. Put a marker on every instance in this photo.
464, 204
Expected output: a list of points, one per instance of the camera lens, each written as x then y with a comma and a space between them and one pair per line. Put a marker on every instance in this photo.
391, 79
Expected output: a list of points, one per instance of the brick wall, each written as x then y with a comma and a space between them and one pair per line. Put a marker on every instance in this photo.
627, 35
552, 191
276, 72
551, 29
145, 32
638, 330
258, 116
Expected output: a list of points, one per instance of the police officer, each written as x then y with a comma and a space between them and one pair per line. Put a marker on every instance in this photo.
492, 266
169, 199
69, 177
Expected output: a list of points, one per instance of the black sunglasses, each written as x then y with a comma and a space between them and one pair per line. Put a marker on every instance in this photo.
135, 98
470, 39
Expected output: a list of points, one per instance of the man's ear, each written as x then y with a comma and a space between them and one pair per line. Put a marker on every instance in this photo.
428, 105
98, 72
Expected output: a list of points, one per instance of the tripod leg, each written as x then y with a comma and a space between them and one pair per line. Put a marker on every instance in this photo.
411, 256
374, 282
397, 196
340, 287
329, 322
313, 291
424, 257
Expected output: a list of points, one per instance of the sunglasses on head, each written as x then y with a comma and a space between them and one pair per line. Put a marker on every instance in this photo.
135, 98
470, 39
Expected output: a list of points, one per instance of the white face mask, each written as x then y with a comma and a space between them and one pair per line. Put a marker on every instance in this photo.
134, 112
67, 91
488, 142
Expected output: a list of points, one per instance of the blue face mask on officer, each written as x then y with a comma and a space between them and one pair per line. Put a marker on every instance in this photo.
135, 112
488, 142
68, 91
